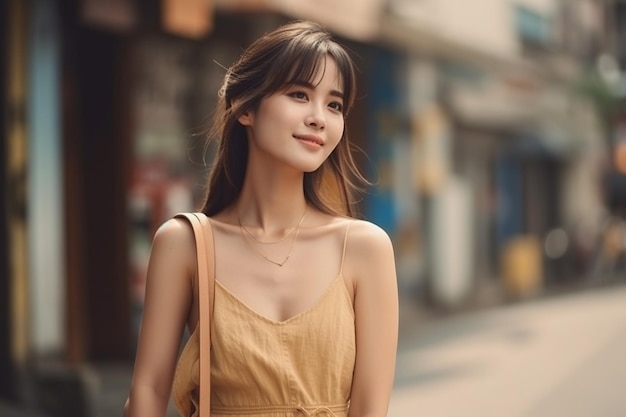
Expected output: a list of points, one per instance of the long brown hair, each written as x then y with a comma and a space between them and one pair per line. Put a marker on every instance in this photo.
291, 53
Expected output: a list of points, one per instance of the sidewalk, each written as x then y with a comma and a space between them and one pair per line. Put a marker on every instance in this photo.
554, 356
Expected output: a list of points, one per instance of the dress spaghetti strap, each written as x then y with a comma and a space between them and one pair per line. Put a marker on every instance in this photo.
345, 244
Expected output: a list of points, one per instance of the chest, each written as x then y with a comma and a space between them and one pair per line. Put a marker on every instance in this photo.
323, 327
273, 291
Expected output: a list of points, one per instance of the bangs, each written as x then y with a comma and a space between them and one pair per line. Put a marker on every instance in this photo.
305, 68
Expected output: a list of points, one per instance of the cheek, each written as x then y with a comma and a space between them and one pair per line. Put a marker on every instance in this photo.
338, 129
336, 141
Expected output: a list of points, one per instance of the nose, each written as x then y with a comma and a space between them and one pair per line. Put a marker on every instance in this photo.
316, 118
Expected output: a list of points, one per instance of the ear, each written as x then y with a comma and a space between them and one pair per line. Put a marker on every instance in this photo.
246, 119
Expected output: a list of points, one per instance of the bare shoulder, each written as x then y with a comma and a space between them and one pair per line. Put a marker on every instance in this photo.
369, 255
175, 231
368, 238
175, 240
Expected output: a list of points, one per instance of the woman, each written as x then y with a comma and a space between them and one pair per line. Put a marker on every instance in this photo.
306, 314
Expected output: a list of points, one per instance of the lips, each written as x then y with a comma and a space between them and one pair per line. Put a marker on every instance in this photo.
315, 140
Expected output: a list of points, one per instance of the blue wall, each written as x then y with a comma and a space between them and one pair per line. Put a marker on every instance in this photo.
510, 221
384, 109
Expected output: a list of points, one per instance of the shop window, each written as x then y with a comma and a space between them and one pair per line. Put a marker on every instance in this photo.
533, 28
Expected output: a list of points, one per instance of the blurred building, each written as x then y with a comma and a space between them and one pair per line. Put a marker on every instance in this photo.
504, 147
477, 135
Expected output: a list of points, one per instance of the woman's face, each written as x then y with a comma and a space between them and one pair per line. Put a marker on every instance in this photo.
300, 125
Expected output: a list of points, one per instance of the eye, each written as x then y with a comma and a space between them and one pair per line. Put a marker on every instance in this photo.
337, 106
300, 95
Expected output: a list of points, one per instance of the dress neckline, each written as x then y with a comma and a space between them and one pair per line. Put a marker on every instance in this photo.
295, 317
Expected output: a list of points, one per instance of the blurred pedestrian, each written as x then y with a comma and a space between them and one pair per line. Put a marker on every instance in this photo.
306, 311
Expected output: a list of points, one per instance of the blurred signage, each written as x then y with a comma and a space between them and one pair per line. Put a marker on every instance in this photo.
431, 149
188, 18
244, 5
493, 103
117, 15
356, 19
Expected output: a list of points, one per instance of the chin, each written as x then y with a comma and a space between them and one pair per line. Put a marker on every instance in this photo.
306, 164
308, 168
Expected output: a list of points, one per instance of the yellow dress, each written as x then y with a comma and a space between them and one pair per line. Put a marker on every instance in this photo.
301, 366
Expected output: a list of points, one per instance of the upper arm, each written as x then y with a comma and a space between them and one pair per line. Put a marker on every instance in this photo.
169, 288
376, 319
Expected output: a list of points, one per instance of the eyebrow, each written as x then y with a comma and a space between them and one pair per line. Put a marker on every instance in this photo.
310, 86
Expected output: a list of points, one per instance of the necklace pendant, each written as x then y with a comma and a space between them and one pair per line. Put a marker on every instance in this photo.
247, 234
280, 264
284, 261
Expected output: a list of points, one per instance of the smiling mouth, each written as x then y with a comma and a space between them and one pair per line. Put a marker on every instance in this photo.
313, 140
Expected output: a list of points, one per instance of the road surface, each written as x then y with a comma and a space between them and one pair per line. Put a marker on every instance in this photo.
561, 356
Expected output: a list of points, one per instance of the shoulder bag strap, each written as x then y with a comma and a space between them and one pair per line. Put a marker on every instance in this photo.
206, 295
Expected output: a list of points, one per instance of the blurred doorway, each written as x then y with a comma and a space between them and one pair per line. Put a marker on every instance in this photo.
96, 99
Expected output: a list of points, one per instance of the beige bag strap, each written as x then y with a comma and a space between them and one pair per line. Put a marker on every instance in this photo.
206, 296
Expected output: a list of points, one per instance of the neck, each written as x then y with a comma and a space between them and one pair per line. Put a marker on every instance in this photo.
272, 202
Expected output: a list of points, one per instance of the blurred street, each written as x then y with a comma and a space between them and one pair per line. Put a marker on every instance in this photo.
561, 356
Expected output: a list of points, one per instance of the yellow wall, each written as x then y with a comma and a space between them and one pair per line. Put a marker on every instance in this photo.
16, 170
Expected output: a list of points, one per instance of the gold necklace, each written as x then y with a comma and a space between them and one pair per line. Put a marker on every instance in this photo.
293, 242
264, 242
